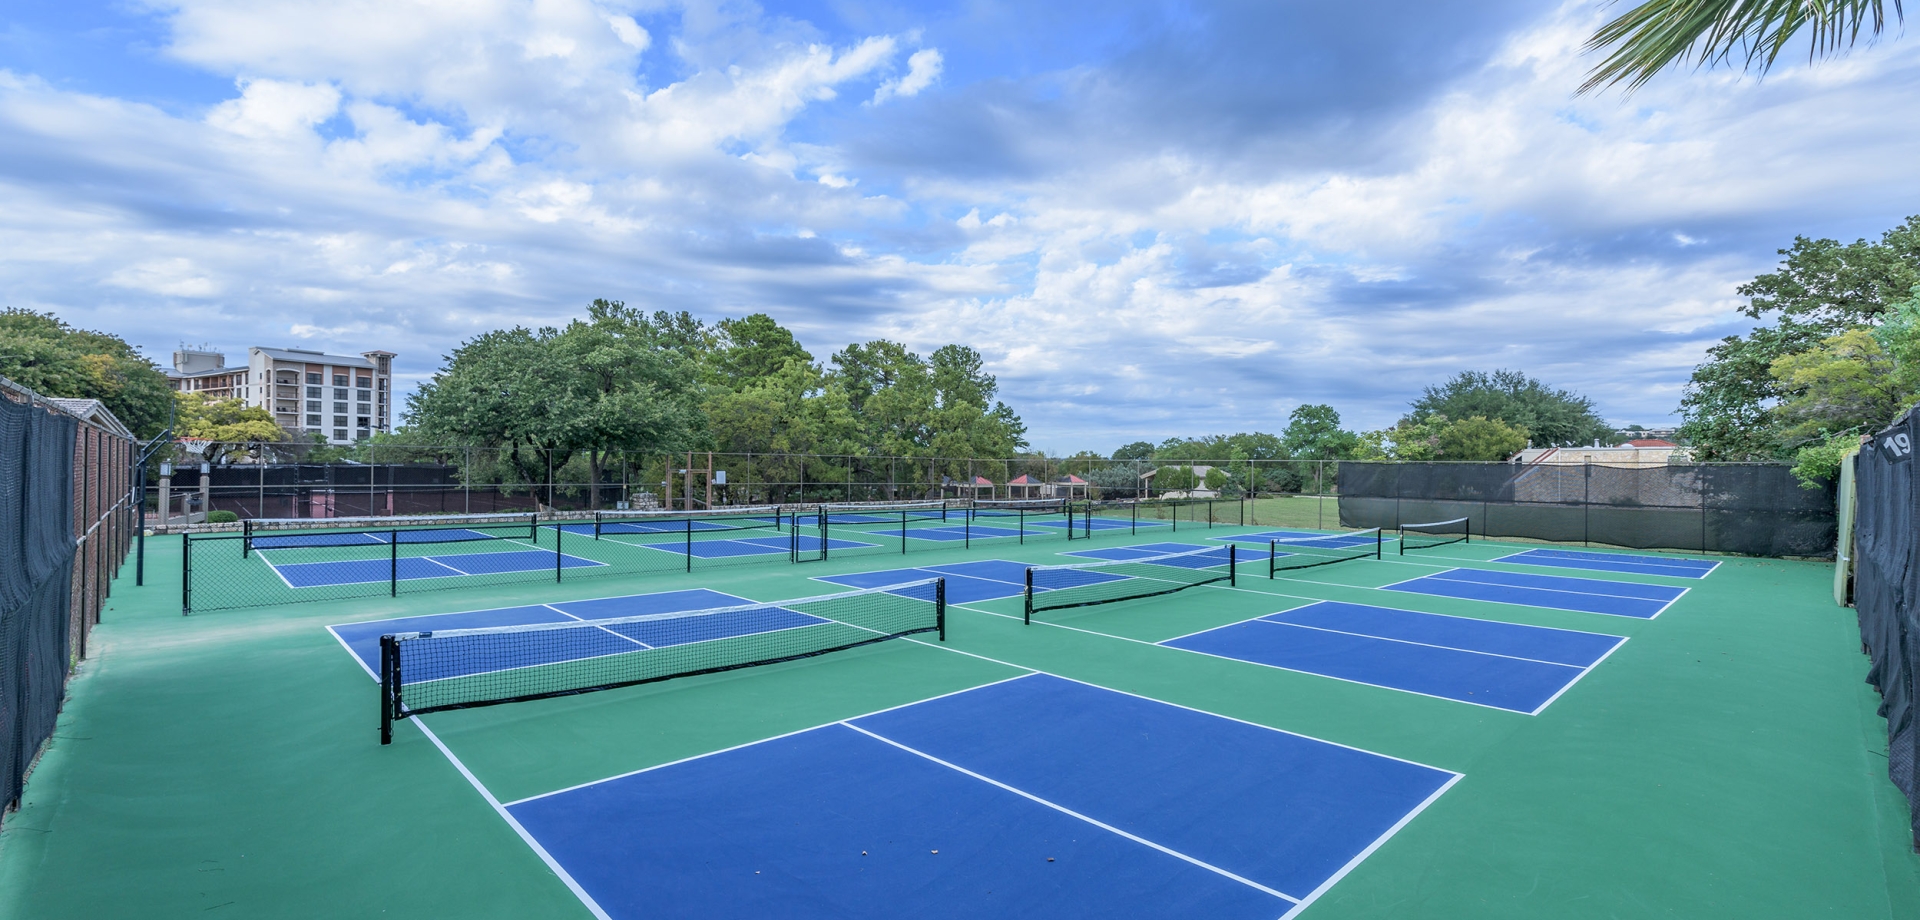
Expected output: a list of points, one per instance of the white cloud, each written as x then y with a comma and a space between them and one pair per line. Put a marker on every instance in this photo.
276, 108
923, 67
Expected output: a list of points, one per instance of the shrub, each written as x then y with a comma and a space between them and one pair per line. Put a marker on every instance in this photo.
222, 517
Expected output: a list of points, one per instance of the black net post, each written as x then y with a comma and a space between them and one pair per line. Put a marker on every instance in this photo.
393, 563
689, 546
558, 556
940, 606
967, 541
1233, 565
186, 574
1133, 518
1379, 539
1273, 551
1023, 526
1026, 615
903, 533
246, 538
389, 665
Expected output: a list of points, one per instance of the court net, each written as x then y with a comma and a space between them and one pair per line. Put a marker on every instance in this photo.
302, 533
1056, 587
617, 523
1308, 552
1438, 533
423, 672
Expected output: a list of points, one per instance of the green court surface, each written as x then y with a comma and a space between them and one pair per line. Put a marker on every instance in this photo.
1725, 761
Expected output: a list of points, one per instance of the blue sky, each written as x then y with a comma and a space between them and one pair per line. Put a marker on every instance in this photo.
1153, 219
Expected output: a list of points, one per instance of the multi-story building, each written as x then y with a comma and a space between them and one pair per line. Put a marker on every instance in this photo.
342, 399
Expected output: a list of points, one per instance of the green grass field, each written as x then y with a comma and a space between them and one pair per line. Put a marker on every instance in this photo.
1726, 762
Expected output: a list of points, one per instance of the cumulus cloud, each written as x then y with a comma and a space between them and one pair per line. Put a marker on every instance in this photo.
923, 67
1152, 220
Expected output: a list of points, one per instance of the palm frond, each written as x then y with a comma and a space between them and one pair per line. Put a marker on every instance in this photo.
1657, 33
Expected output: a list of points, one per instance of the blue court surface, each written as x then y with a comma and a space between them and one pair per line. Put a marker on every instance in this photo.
748, 546
609, 528
1303, 537
1036, 797
967, 582
336, 572
363, 639
1587, 595
367, 538
1672, 566
957, 533
1500, 665
1149, 550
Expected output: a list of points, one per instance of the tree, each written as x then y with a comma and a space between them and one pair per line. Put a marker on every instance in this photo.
617, 380
41, 352
227, 424
1821, 289
1314, 433
1551, 416
1480, 438
1138, 450
1657, 33
752, 348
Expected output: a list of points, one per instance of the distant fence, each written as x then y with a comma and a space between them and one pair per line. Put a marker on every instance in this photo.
1755, 509
66, 506
392, 480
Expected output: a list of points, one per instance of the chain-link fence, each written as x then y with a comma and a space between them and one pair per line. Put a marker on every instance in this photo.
1755, 509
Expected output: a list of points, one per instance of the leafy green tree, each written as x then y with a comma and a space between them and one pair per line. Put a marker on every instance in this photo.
752, 348
1480, 438
1408, 440
1821, 289
1314, 433
1551, 416
229, 425
41, 352
1657, 33
1174, 479
617, 380
1138, 450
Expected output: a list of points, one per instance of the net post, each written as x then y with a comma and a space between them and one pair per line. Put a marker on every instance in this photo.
389, 662
596, 522
967, 540
558, 556
826, 538
1273, 550
1022, 525
1026, 614
903, 531
1133, 523
689, 546
1379, 538
1233, 565
940, 606
1467, 529
1403, 539
246, 538
186, 571
393, 563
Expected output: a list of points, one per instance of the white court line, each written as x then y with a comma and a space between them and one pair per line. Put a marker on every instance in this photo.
1448, 648
601, 628
1565, 564
1488, 600
748, 744
1315, 894
1345, 680
1580, 676
274, 568
610, 597
1596, 581
1074, 814
442, 565
586, 900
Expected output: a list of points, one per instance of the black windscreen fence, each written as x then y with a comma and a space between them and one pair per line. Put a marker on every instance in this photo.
1886, 585
1754, 509
36, 580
